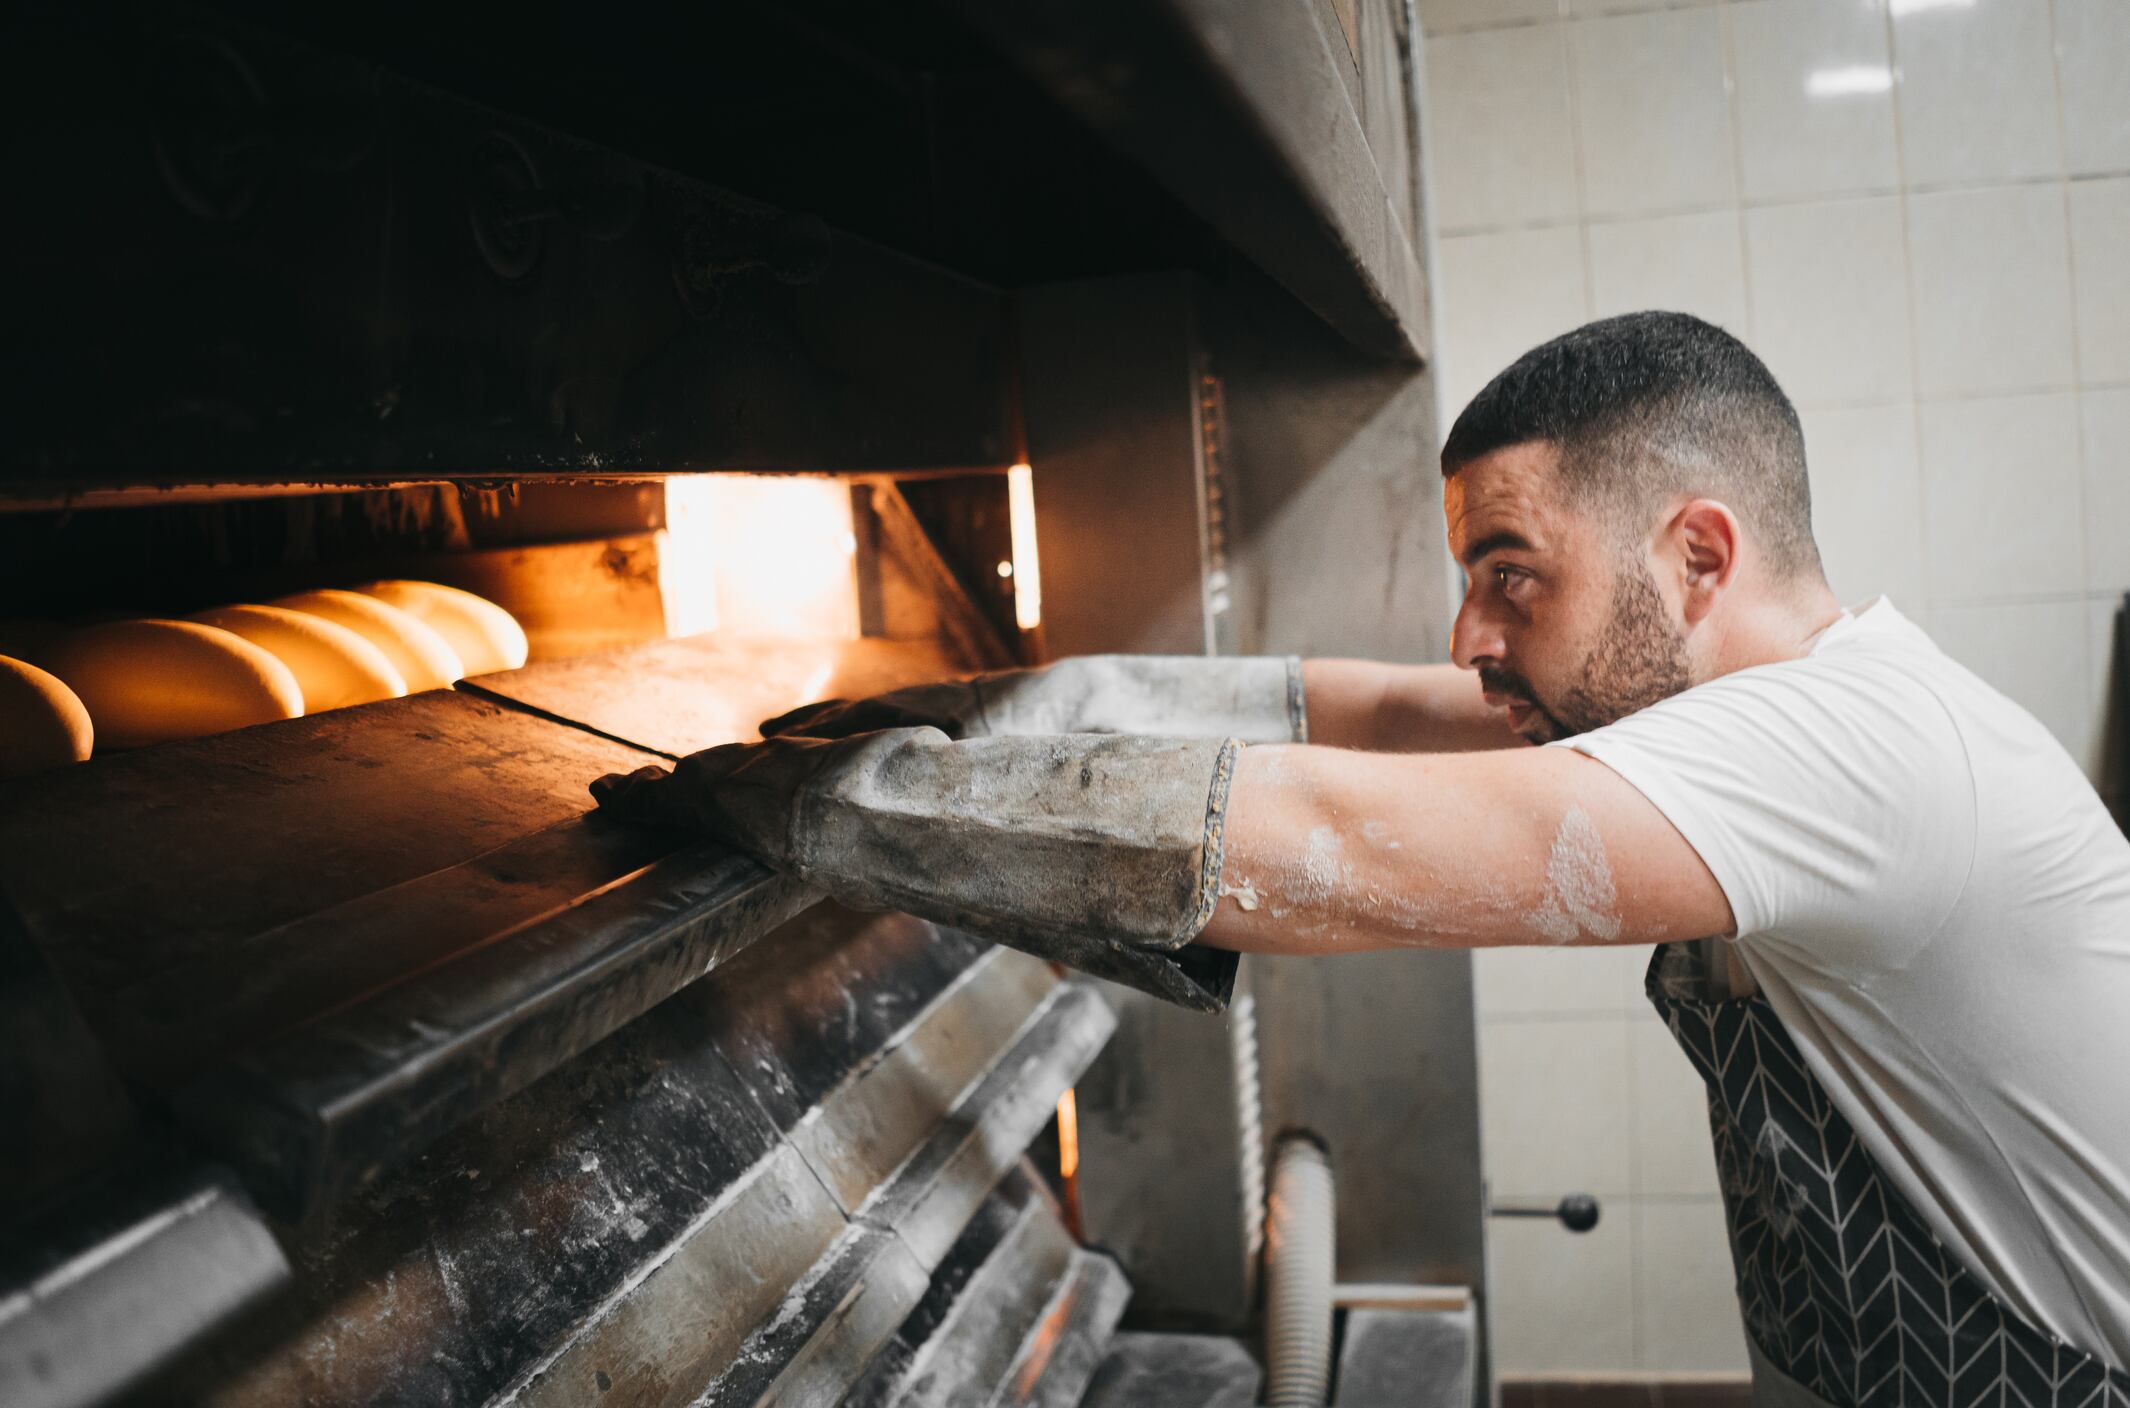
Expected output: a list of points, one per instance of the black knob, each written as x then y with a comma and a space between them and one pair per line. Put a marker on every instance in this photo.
1578, 1212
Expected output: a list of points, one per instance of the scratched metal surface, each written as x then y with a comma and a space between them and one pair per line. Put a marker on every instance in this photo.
643, 1226
1209, 1371
1015, 1314
117, 1276
328, 1106
445, 1281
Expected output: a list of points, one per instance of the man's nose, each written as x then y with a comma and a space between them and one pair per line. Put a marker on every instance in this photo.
1474, 640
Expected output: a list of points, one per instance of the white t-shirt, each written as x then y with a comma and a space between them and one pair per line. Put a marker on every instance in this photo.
1937, 906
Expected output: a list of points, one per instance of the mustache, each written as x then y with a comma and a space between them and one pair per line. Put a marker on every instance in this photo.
1505, 683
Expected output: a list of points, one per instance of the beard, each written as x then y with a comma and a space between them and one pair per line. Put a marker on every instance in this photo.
1639, 658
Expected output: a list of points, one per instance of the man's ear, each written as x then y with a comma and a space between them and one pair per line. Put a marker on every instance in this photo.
1704, 538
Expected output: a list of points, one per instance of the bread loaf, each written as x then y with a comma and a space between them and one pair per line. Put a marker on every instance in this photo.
424, 659
335, 666
42, 722
486, 637
149, 681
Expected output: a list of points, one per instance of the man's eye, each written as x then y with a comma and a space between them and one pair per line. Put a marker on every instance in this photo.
1506, 576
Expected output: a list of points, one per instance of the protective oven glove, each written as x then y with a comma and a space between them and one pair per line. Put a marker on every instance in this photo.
1099, 852
1256, 699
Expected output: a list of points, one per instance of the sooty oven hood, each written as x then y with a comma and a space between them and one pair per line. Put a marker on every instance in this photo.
353, 1062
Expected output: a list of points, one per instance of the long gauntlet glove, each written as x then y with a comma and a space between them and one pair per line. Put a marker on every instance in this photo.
1255, 698
1102, 853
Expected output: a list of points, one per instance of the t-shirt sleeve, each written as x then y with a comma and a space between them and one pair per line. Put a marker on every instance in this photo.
1833, 803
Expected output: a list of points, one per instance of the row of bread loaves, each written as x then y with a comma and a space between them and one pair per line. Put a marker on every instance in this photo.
126, 683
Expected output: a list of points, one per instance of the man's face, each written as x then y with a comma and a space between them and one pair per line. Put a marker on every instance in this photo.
1566, 626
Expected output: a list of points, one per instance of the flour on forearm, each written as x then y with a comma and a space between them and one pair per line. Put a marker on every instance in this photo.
1580, 897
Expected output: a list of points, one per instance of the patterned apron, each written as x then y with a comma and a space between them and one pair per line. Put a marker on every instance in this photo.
1845, 1290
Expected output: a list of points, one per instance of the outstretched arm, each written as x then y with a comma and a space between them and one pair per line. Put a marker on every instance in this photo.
1379, 708
1112, 853
1334, 851
1266, 699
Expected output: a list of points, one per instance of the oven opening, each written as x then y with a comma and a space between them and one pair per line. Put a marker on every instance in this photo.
164, 614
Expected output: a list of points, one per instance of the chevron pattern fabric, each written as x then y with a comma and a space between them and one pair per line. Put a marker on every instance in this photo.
1842, 1284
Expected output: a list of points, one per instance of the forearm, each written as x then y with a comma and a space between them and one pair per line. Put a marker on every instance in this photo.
1326, 851
1333, 851
1379, 708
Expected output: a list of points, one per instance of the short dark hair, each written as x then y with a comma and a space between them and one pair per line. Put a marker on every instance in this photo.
1645, 407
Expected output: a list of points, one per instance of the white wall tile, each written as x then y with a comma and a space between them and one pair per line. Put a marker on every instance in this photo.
2033, 652
2100, 274
2001, 498
1867, 502
2093, 67
1555, 1097
1655, 114
1815, 98
1504, 150
1562, 1302
2100, 676
1472, 14
1992, 290
1583, 980
1685, 263
1625, 7
1686, 1289
1502, 295
2106, 418
1674, 1152
1977, 91
1830, 299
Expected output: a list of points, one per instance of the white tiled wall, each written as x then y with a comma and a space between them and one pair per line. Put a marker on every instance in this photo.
1918, 211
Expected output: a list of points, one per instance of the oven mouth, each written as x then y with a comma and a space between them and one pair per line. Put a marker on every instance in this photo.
793, 571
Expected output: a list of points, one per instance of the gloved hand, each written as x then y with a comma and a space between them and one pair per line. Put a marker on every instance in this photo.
1103, 853
1257, 699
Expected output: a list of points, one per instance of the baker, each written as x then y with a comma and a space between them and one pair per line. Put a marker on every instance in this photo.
1914, 1017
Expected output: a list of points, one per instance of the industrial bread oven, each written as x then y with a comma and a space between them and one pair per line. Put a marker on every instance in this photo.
744, 357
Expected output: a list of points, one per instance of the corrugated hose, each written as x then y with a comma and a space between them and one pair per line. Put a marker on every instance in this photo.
1300, 1240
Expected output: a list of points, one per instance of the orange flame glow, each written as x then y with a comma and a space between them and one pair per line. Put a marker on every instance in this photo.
1068, 1136
759, 555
